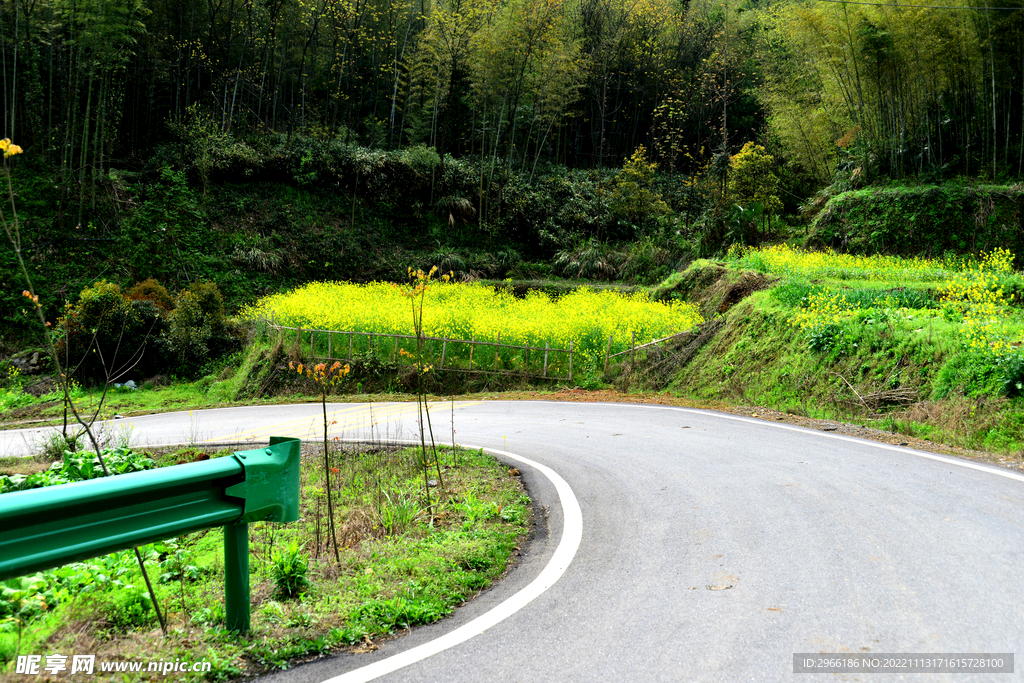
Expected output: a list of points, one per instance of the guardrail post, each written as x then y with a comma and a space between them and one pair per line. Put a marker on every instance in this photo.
236, 577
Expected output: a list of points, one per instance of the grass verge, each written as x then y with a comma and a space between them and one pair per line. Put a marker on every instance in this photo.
401, 565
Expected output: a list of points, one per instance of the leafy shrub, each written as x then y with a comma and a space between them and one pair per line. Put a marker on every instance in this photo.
127, 609
176, 564
151, 290
106, 335
970, 373
824, 338
1011, 367
589, 258
634, 196
198, 329
78, 467
24, 598
289, 571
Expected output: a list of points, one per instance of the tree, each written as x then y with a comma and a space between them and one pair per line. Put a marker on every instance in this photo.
752, 180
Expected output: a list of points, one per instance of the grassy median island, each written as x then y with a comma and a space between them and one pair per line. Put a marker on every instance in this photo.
401, 564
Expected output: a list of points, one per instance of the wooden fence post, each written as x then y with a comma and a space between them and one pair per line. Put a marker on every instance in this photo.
444, 351
329, 353
394, 358
472, 346
312, 336
606, 352
632, 350
350, 335
570, 361
545, 359
496, 347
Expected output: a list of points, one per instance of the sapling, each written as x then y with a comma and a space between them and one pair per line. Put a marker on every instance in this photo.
325, 377
13, 232
416, 291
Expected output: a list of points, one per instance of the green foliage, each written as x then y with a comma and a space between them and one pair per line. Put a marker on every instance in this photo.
634, 196
289, 572
22, 599
397, 513
589, 258
475, 510
970, 373
198, 330
176, 563
752, 179
929, 221
1011, 368
105, 335
796, 294
79, 466
166, 236
128, 609
825, 338
99, 574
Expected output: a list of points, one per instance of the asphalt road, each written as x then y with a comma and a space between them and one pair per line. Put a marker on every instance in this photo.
710, 547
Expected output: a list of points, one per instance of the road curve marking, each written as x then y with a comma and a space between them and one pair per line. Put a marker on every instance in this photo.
572, 534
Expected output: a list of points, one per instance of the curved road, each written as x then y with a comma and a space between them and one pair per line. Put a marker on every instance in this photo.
713, 547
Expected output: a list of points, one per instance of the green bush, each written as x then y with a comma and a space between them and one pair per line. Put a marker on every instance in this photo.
927, 221
1011, 368
127, 609
198, 329
969, 373
78, 467
289, 570
105, 336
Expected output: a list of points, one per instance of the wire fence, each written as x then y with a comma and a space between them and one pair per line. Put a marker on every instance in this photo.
452, 355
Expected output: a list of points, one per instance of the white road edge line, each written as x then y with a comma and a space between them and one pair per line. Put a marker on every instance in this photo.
838, 437
572, 534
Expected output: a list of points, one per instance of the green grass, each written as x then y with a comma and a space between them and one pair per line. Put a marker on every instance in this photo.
412, 570
910, 363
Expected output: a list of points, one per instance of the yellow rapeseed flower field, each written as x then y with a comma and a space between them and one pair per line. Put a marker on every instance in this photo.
970, 288
463, 311
787, 261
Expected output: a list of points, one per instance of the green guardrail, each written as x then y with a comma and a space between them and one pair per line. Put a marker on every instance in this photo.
48, 527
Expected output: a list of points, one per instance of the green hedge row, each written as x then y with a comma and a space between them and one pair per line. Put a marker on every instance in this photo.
922, 221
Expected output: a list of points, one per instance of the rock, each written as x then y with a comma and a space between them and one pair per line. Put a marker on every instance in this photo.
29, 363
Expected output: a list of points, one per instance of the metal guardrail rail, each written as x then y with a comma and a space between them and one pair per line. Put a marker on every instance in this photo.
48, 527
